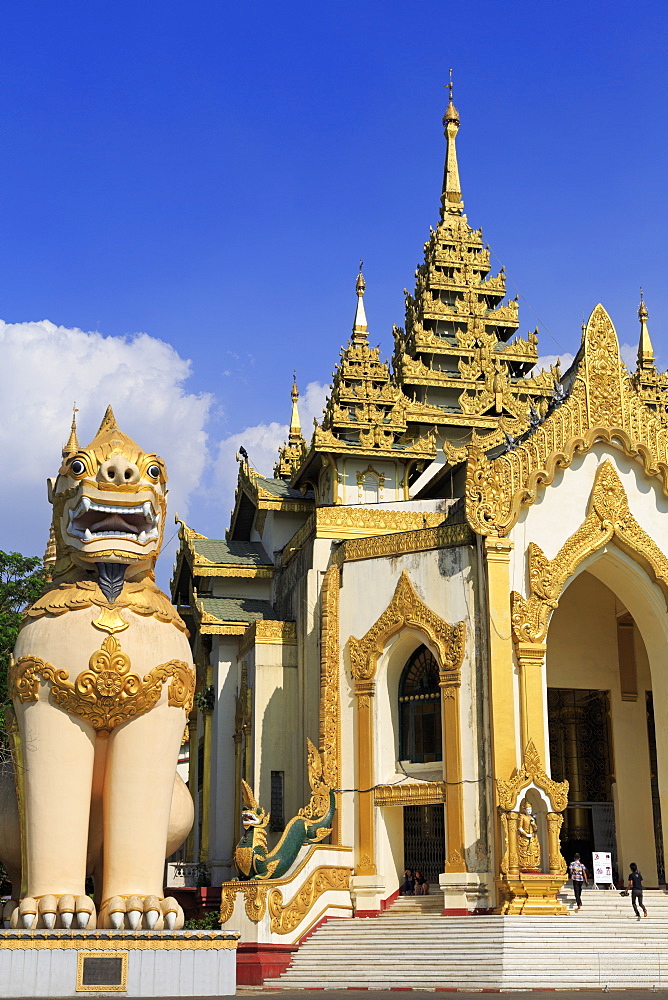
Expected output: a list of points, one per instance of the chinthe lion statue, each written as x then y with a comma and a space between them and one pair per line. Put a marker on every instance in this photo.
102, 682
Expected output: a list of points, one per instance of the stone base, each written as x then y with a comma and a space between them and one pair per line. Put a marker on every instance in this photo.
366, 892
465, 892
72, 964
530, 893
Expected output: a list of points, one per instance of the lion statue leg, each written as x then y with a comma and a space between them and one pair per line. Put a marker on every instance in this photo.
138, 794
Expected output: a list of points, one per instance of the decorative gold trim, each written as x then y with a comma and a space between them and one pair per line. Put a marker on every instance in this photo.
400, 543
604, 405
184, 941
359, 522
330, 704
418, 793
608, 518
229, 890
531, 771
406, 610
269, 633
286, 918
144, 599
123, 955
107, 694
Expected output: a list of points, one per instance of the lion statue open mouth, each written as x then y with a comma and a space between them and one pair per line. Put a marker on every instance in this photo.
102, 683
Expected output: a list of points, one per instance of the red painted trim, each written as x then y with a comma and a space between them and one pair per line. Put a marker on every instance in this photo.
257, 962
367, 913
384, 903
455, 911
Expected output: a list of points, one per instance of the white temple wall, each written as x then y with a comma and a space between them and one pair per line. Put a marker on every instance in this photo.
223, 826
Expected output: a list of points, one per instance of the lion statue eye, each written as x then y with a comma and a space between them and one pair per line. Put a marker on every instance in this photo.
154, 471
77, 467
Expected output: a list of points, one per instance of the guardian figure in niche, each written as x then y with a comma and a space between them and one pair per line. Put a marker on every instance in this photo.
102, 682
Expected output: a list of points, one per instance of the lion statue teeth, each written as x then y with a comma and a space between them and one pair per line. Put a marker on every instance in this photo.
102, 683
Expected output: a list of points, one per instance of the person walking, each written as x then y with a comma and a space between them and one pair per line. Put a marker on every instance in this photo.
635, 885
578, 874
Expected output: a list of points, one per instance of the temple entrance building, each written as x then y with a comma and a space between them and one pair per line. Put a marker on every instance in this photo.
457, 591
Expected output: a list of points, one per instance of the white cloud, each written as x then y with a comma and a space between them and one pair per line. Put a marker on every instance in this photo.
262, 442
46, 368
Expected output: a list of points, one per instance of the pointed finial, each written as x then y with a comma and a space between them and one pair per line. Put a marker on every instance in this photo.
360, 284
451, 113
72, 445
645, 349
294, 394
360, 327
451, 198
642, 308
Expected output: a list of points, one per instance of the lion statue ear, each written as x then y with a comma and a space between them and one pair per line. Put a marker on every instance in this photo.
250, 802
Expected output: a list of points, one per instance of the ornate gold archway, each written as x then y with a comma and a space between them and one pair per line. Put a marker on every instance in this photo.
407, 611
608, 519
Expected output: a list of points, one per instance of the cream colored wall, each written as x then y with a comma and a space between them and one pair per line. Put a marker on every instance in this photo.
277, 735
582, 653
445, 581
223, 826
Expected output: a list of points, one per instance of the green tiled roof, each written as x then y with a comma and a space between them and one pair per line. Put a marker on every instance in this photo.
280, 488
231, 553
237, 609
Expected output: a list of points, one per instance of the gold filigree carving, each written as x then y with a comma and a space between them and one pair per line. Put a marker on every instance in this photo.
286, 917
531, 771
397, 544
330, 709
108, 693
406, 610
421, 793
604, 405
145, 599
609, 518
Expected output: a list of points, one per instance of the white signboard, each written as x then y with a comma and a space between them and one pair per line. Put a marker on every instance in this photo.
602, 863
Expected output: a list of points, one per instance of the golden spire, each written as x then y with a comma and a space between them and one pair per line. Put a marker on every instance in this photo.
360, 327
291, 455
295, 422
451, 199
72, 445
645, 349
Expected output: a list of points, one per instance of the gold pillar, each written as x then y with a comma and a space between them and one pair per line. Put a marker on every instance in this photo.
501, 666
531, 662
449, 683
511, 832
556, 863
366, 838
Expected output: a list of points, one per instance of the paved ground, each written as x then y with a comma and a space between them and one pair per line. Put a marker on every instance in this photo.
244, 991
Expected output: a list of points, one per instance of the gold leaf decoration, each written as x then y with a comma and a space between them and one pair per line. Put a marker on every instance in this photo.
108, 693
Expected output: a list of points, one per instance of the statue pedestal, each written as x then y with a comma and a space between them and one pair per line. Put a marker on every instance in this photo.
137, 963
530, 893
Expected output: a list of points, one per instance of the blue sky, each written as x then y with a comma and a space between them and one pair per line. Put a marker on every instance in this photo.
209, 174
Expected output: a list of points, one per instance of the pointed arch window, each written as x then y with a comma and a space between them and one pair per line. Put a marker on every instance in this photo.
420, 709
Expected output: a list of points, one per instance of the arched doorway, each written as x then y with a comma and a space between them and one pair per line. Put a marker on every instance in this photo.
600, 697
420, 709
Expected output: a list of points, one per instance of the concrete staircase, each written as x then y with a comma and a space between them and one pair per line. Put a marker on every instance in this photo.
412, 945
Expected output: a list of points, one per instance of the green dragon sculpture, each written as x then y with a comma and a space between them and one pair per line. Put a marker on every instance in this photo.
311, 825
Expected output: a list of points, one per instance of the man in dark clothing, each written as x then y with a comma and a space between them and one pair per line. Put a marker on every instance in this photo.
635, 885
578, 874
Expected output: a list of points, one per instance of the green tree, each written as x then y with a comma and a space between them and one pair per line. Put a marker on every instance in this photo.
22, 580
